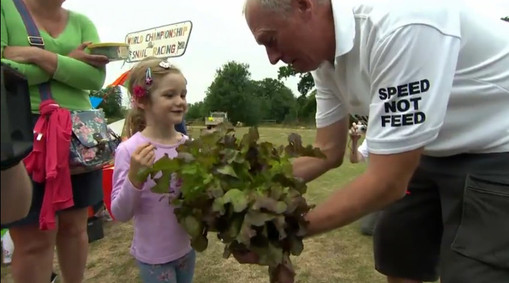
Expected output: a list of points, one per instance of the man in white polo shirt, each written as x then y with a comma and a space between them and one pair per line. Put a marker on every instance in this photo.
432, 80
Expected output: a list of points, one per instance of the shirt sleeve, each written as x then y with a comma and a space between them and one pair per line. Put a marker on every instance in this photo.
363, 149
412, 71
329, 105
76, 73
33, 73
124, 196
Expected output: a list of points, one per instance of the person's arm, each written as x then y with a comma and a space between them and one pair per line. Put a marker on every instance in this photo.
76, 73
16, 193
34, 74
355, 156
40, 65
379, 186
331, 140
358, 153
332, 129
124, 195
396, 138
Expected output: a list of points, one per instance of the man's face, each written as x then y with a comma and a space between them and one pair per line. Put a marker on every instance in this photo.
287, 37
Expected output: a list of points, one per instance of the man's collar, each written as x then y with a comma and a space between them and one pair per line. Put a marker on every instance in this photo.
344, 26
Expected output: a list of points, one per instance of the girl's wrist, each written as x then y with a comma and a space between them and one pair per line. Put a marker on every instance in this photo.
132, 178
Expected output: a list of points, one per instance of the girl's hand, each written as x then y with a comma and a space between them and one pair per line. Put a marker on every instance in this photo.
94, 60
143, 156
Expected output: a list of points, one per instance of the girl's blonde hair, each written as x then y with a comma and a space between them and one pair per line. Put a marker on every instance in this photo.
135, 120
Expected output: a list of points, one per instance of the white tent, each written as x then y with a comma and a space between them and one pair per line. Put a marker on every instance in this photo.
117, 126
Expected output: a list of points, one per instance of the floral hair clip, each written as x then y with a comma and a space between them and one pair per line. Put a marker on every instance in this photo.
139, 91
148, 77
165, 64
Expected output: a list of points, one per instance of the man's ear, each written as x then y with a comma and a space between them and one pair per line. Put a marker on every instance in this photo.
303, 6
304, 9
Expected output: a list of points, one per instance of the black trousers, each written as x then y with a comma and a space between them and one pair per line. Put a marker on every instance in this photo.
453, 224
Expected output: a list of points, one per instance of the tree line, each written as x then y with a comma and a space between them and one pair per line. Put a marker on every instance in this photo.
254, 102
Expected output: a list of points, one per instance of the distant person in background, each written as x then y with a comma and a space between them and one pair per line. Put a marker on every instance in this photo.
361, 154
71, 72
358, 153
160, 245
181, 127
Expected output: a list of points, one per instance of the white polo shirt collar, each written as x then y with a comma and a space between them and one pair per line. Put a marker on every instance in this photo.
344, 26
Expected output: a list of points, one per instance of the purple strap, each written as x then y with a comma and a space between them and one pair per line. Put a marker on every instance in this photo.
34, 39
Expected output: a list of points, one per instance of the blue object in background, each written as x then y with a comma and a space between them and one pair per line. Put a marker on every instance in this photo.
181, 127
95, 101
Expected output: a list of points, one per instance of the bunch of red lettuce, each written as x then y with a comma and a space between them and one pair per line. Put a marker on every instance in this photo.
242, 190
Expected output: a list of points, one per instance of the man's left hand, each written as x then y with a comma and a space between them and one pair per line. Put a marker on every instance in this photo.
281, 274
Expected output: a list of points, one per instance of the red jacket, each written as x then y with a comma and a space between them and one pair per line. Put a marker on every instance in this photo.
49, 160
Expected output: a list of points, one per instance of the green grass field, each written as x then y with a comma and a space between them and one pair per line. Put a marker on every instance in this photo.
343, 255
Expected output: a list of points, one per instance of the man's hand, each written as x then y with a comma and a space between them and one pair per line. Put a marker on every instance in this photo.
246, 257
21, 54
143, 156
281, 274
331, 140
94, 60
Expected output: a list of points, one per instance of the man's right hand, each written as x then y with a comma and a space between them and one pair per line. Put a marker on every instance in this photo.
94, 60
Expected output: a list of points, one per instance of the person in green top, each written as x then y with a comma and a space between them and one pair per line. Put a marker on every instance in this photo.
72, 72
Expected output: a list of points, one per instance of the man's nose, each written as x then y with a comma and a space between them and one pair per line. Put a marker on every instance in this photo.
274, 55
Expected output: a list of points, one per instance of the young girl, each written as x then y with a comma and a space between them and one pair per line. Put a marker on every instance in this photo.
160, 245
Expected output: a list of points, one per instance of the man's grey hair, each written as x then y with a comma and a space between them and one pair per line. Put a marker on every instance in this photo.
276, 5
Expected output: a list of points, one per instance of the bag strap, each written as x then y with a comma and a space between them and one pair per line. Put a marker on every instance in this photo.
34, 39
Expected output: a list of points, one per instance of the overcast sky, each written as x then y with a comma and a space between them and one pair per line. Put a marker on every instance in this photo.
219, 34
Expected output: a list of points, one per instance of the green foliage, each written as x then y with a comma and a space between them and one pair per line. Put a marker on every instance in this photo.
247, 100
305, 104
306, 82
307, 108
231, 92
112, 103
242, 190
196, 111
277, 101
